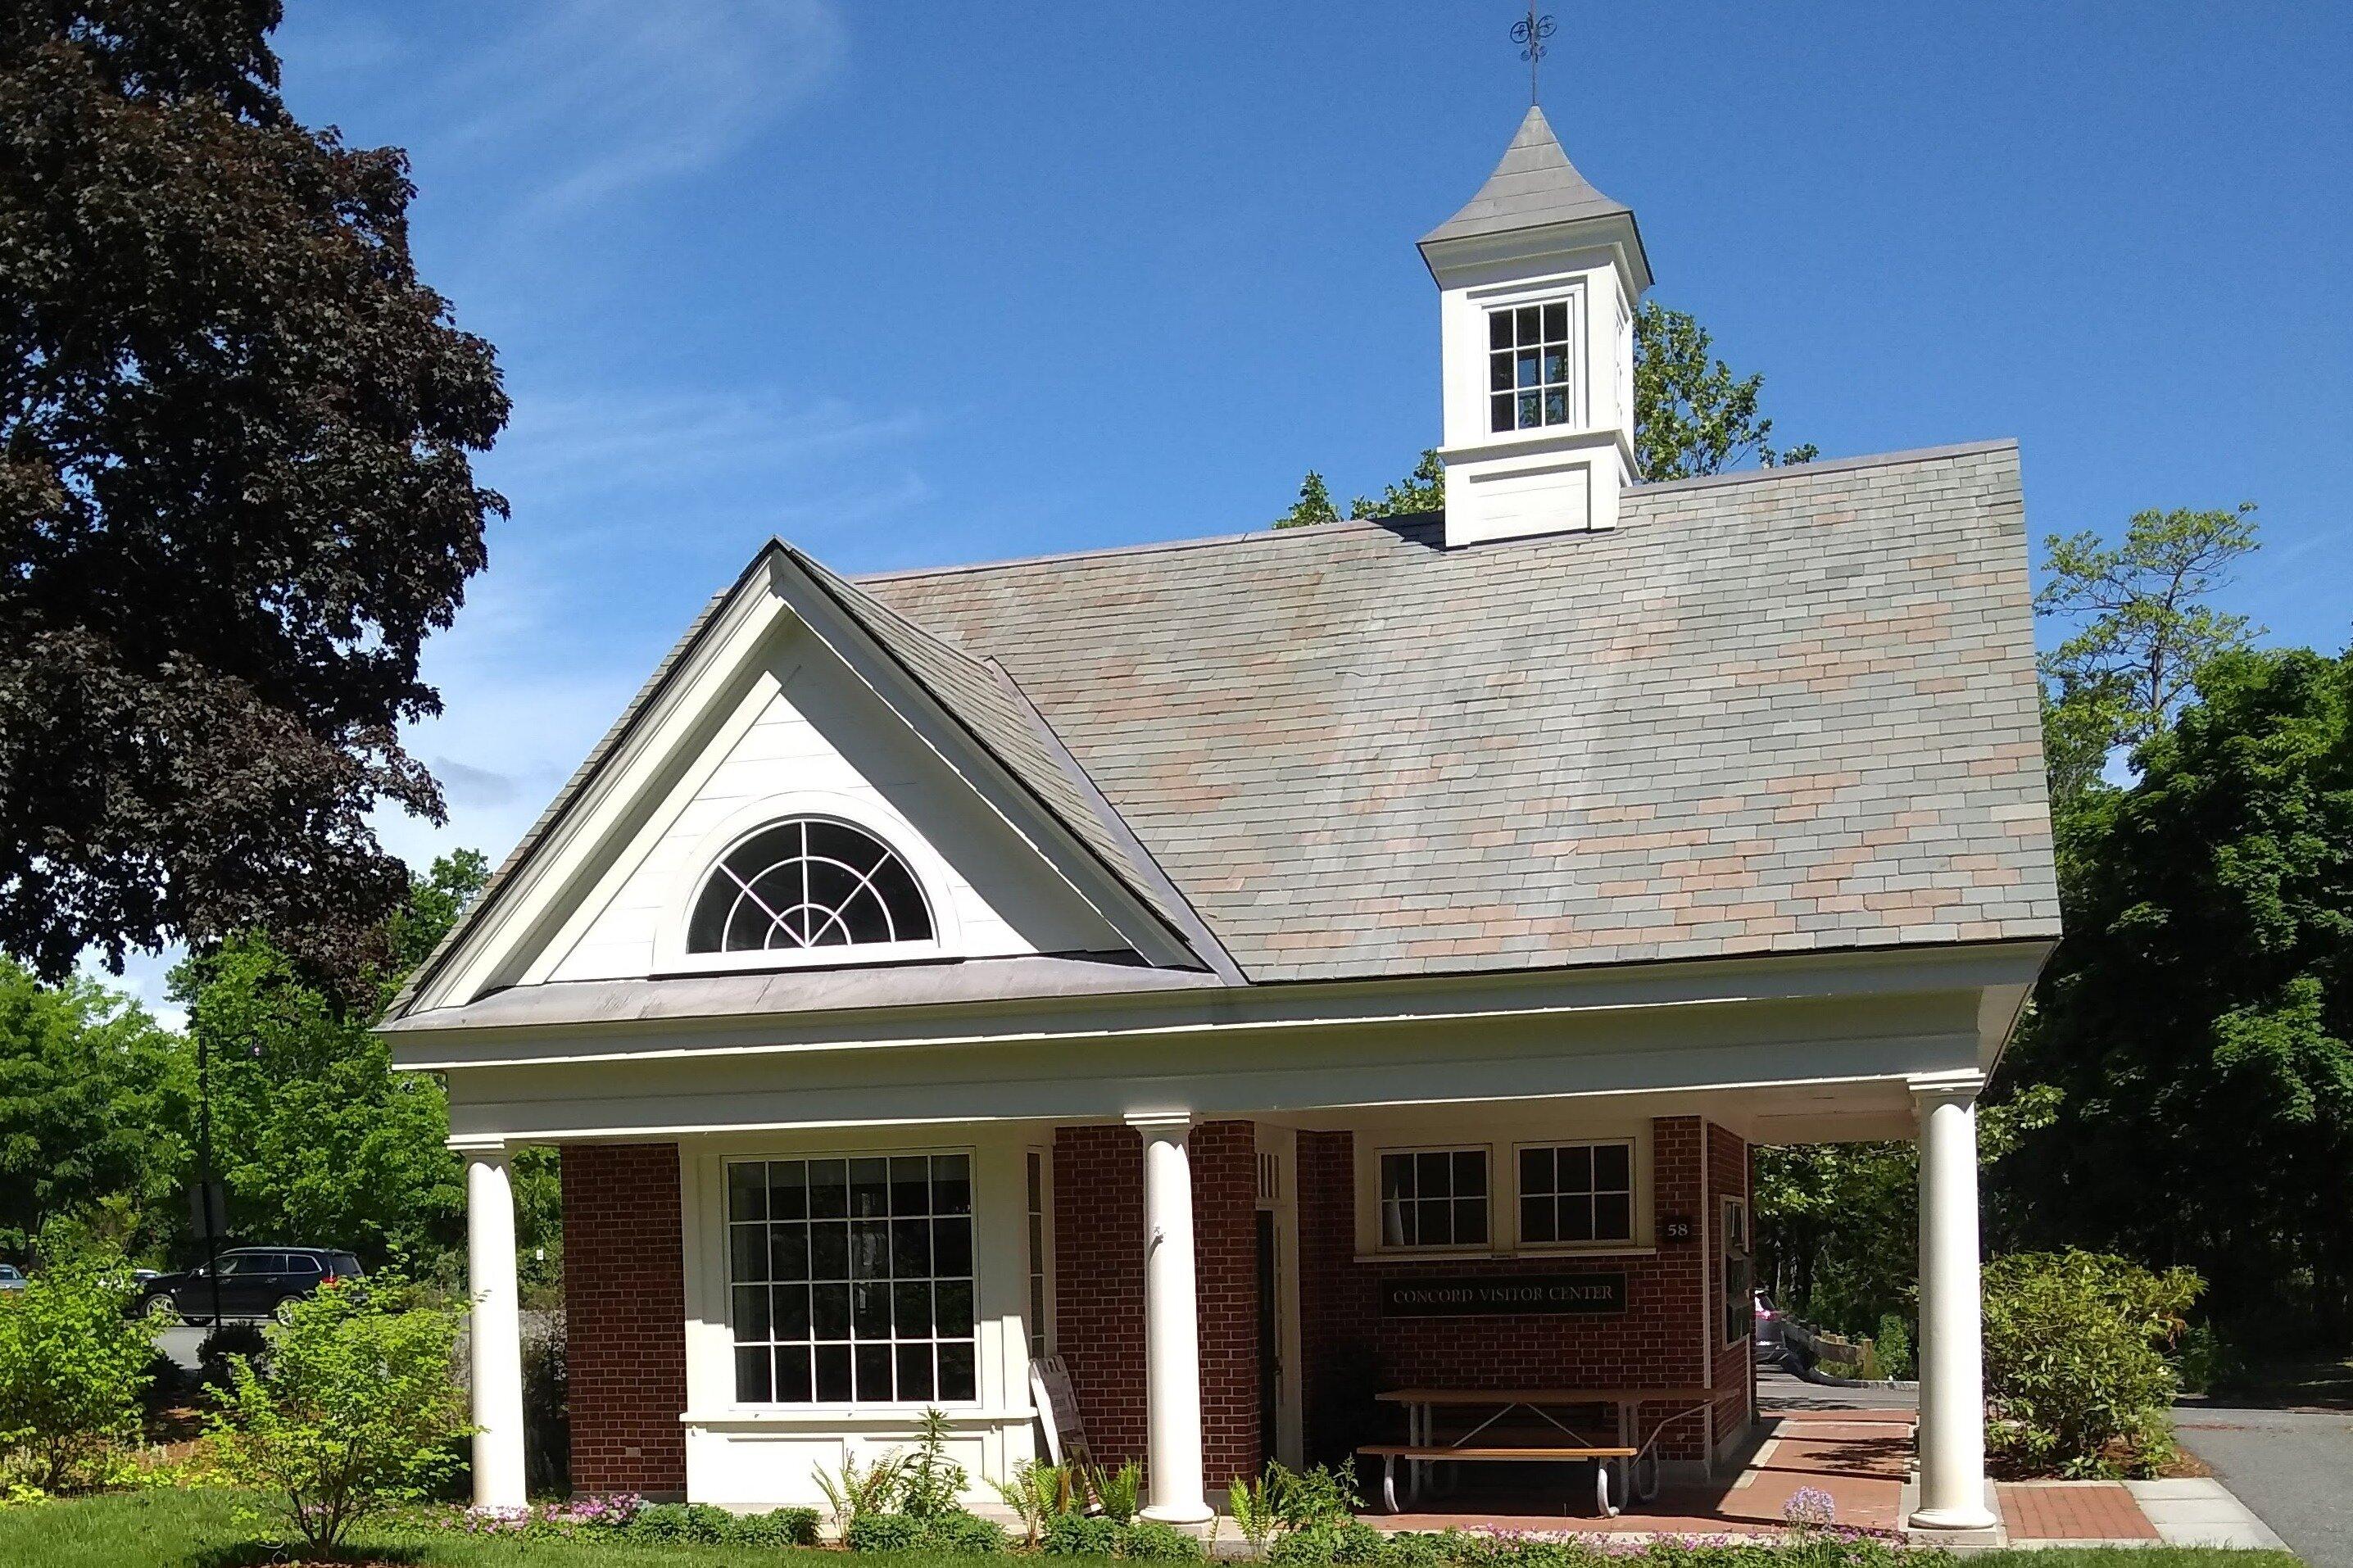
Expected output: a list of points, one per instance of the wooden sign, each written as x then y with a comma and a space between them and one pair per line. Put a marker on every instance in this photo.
1502, 1295
1058, 1411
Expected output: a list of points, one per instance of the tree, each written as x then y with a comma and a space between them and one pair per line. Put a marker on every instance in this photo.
355, 1413
1692, 415
235, 494
2141, 629
93, 1107
2196, 1019
317, 1135
1313, 505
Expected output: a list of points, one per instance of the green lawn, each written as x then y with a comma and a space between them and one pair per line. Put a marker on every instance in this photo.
197, 1530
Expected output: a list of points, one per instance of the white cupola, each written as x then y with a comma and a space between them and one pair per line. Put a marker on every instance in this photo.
1538, 277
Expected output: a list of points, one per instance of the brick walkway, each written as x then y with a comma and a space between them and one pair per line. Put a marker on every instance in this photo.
2073, 1510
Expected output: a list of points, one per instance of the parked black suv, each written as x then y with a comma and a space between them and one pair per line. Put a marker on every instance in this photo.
255, 1281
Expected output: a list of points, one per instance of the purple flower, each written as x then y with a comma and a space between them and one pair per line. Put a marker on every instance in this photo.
1809, 1508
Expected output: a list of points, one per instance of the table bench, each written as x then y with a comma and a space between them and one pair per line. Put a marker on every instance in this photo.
1422, 1447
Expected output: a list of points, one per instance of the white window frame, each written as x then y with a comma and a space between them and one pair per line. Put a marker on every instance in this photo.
929, 872
1037, 1283
727, 1283
1572, 402
1504, 1191
1428, 1250
1636, 1194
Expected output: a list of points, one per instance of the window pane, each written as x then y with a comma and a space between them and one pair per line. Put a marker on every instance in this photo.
873, 1367
1397, 1176
748, 1253
788, 1190
1471, 1173
751, 1384
950, 1247
954, 1300
1535, 1170
1612, 1168
1577, 1169
828, 1182
807, 883
1530, 324
1436, 1220
747, 1192
751, 1314
911, 1185
792, 1376
956, 1380
1397, 1222
869, 1311
914, 1372
1499, 372
830, 1315
1531, 410
1434, 1177
910, 1249
1613, 1217
1556, 405
1471, 1222
951, 1184
830, 1251
869, 1249
869, 1188
1527, 369
792, 1311
1556, 367
1499, 329
788, 1251
1577, 1219
1556, 321
1536, 1220
833, 1374
1500, 411
912, 1309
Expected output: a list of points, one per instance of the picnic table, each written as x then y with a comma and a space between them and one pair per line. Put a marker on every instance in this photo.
1423, 1446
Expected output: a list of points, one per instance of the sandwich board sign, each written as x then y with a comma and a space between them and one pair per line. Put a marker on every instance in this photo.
1058, 1411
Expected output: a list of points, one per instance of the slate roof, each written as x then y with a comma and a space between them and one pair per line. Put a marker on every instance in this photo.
1534, 184
1769, 712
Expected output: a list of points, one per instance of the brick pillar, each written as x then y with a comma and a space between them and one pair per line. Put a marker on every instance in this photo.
625, 1309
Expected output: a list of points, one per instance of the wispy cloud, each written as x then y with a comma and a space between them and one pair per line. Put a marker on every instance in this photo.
563, 443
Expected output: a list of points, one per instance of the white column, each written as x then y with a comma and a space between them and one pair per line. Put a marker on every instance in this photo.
1172, 1331
1952, 1345
496, 1334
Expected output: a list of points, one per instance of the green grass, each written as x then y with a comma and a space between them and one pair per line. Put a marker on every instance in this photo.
199, 1529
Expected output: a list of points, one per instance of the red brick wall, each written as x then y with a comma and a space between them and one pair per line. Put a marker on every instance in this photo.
1727, 1176
1099, 1287
625, 1309
1352, 1351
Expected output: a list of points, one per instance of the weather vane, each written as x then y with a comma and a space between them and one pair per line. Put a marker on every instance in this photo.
1530, 33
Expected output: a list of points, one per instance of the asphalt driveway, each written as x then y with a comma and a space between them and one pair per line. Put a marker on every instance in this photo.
2293, 1467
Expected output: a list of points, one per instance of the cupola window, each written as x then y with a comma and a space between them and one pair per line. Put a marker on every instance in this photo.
809, 883
1527, 366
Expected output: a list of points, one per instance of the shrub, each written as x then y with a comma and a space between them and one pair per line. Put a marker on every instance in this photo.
225, 1341
960, 1535
691, 1523
1348, 1540
859, 1492
1253, 1505
1037, 1492
1319, 1495
2075, 1367
1892, 1347
72, 1367
1117, 1492
1081, 1535
1153, 1541
935, 1483
546, 1403
881, 1533
777, 1527
357, 1411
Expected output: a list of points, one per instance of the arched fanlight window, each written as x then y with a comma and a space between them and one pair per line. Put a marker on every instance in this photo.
807, 883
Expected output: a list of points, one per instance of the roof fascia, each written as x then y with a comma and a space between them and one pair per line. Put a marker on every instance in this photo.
941, 728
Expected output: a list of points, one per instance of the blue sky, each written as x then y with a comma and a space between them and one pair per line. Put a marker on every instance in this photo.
923, 284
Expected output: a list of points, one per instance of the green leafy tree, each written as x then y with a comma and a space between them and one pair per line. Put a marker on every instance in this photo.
2140, 625
1692, 415
2196, 1020
93, 1101
357, 1411
317, 1137
73, 1362
235, 494
1313, 505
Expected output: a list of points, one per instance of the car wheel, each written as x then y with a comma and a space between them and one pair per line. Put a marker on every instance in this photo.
284, 1312
161, 1311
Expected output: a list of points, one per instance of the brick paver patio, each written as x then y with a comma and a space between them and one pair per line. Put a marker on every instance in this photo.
2073, 1510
